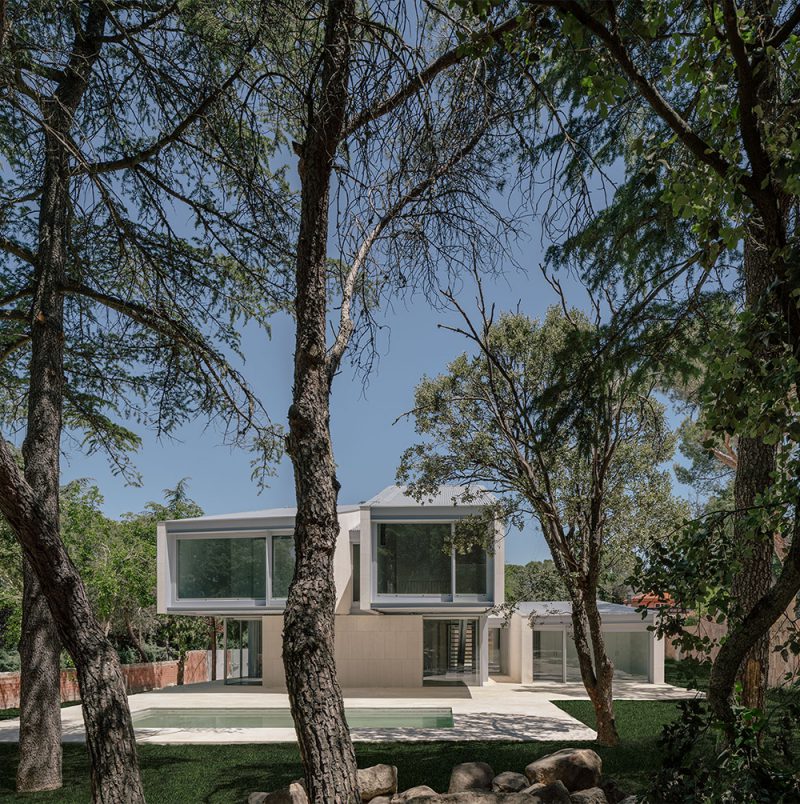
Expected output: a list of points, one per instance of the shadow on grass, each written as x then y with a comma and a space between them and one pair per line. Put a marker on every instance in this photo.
226, 774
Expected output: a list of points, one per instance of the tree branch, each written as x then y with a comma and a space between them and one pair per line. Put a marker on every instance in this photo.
17, 249
165, 140
336, 352
425, 76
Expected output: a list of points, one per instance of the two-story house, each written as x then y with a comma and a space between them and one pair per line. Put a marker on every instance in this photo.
409, 609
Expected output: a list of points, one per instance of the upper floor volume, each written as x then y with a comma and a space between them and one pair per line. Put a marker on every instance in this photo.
393, 555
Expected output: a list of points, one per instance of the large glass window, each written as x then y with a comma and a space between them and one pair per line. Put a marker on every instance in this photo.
548, 656
222, 568
283, 556
471, 572
628, 650
413, 560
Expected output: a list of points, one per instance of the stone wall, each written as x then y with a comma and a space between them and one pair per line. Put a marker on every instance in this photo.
138, 678
371, 651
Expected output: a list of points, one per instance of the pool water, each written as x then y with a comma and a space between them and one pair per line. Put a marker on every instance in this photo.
282, 719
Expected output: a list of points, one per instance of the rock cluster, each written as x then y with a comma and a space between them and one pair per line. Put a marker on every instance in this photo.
569, 776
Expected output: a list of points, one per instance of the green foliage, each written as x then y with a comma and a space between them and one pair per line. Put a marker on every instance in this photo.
536, 580
539, 391
177, 223
117, 562
755, 764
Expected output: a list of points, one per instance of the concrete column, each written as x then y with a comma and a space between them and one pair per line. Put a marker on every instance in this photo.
365, 536
163, 592
499, 562
525, 649
483, 628
656, 660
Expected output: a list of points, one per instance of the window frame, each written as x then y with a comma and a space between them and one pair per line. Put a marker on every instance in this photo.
275, 602
452, 597
212, 603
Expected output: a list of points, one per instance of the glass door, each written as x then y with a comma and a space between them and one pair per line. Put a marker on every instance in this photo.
243, 651
451, 653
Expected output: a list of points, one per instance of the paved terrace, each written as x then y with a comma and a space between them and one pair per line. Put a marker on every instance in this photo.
497, 711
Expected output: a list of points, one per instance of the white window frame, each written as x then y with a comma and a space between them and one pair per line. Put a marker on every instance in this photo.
452, 598
272, 601
210, 603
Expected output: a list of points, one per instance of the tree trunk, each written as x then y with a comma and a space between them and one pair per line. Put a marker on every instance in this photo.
181, 668
750, 630
755, 466
30, 503
40, 692
597, 671
137, 643
754, 579
308, 634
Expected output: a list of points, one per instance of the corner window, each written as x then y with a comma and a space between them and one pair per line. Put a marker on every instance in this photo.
415, 560
283, 557
412, 559
471, 572
224, 568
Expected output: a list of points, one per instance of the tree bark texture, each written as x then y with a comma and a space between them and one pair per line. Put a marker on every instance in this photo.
40, 692
597, 670
308, 635
754, 475
30, 502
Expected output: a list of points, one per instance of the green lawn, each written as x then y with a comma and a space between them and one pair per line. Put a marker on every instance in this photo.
227, 773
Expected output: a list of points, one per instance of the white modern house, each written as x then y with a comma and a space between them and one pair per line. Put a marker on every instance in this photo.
409, 610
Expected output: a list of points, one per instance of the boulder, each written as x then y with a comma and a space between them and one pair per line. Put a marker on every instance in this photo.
381, 800
482, 797
294, 794
470, 776
612, 790
379, 780
509, 782
592, 795
577, 768
552, 793
413, 792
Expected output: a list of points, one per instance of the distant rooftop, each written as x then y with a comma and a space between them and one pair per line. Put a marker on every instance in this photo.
396, 497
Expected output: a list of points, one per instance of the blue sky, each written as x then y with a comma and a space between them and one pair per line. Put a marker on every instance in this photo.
367, 444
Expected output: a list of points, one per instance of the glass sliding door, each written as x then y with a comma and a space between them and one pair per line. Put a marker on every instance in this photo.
451, 651
243, 652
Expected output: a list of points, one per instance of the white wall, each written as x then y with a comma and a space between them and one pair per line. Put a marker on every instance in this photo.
371, 651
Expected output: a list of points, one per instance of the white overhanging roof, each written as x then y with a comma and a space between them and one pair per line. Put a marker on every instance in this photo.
390, 497
446, 496
560, 611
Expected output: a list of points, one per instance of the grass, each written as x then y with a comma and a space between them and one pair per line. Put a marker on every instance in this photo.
10, 714
219, 774
223, 774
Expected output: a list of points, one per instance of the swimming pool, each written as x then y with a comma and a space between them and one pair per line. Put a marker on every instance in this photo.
212, 718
